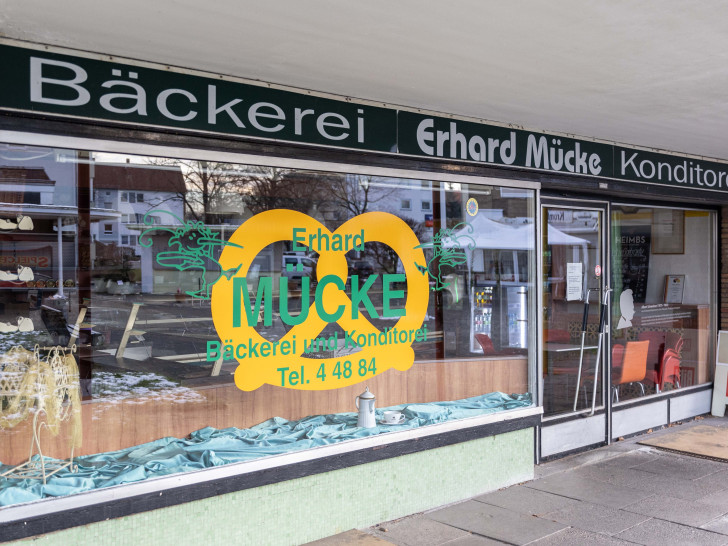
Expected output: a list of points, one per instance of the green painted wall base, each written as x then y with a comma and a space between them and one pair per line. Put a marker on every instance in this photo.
306, 509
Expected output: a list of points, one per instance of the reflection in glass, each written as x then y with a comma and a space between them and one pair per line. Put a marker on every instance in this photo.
573, 293
125, 251
662, 276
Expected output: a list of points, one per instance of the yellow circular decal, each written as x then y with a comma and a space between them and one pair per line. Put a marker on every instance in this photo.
239, 304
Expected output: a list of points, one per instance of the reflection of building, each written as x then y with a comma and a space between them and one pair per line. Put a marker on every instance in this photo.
134, 191
26, 185
552, 225
40, 184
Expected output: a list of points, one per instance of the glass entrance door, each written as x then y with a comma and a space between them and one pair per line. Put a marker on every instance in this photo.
575, 326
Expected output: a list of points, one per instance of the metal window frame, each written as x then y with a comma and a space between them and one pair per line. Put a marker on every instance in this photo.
361, 450
714, 289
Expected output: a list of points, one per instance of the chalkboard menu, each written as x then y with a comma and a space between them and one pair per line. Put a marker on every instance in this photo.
634, 251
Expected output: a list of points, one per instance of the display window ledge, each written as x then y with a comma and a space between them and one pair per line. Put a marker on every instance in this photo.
552, 420
54, 514
644, 400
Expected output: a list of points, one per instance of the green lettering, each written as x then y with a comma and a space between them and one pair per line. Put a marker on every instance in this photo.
263, 299
359, 241
213, 351
298, 239
336, 315
359, 295
286, 317
389, 294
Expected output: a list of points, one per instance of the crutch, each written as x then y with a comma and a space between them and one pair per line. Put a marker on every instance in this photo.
581, 350
602, 321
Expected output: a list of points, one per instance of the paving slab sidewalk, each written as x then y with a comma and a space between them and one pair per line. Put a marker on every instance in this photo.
625, 493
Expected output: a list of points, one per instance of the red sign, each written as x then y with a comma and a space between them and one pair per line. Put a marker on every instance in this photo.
36, 257
598, 270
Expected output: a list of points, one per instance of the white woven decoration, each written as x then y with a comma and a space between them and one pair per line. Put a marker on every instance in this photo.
48, 386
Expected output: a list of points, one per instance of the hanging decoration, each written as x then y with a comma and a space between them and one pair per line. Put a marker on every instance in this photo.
46, 387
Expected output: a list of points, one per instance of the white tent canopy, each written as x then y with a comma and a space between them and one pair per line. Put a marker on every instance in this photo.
487, 233
491, 235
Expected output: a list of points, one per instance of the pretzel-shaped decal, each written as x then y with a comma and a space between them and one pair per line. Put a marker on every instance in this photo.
282, 362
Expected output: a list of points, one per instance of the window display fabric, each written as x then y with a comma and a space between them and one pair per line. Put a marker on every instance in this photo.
209, 447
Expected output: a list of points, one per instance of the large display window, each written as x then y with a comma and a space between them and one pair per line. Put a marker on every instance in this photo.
163, 315
664, 299
660, 288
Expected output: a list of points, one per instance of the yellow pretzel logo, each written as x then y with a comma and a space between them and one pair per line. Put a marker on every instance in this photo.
267, 364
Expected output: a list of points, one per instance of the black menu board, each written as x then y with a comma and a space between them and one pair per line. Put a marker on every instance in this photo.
634, 250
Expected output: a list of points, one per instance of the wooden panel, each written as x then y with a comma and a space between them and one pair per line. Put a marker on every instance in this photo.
109, 426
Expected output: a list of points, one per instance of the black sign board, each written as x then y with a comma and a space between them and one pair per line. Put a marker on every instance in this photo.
36, 80
632, 258
40, 81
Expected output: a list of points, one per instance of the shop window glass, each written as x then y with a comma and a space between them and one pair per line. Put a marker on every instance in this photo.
572, 263
259, 303
664, 299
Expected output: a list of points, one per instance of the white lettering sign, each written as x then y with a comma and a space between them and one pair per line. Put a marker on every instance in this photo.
573, 281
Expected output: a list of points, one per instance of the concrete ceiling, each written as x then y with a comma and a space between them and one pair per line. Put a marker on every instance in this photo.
652, 73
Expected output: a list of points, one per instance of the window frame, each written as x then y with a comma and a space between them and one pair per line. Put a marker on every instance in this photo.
310, 461
714, 289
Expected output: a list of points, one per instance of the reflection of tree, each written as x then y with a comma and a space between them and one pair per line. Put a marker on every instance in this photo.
385, 256
356, 193
213, 191
211, 187
115, 260
268, 188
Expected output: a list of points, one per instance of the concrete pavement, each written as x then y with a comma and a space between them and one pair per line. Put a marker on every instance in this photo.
625, 493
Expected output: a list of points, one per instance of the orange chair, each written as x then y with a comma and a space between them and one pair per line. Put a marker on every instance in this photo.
670, 372
617, 356
654, 354
674, 340
588, 376
634, 366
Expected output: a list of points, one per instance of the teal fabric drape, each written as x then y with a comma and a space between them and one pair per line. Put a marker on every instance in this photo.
210, 447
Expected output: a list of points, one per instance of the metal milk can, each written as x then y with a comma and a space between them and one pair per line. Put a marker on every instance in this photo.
365, 404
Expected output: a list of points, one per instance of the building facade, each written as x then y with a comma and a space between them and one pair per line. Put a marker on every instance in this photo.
259, 301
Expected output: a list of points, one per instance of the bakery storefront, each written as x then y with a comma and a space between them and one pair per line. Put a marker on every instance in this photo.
222, 299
